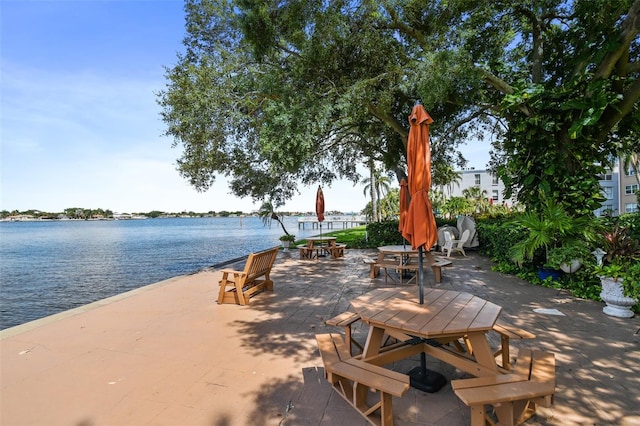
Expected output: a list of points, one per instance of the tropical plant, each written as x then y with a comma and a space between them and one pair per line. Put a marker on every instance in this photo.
267, 214
288, 237
621, 253
456, 206
390, 205
377, 186
477, 199
568, 252
631, 283
548, 229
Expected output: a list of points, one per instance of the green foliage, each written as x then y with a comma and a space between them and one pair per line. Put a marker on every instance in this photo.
569, 251
622, 253
455, 206
384, 233
274, 94
555, 144
549, 228
631, 283
267, 213
496, 237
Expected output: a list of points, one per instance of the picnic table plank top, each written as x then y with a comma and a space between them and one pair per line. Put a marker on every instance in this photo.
444, 312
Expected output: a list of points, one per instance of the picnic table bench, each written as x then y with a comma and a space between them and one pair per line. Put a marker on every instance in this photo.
353, 378
336, 250
506, 333
376, 264
254, 278
346, 320
513, 396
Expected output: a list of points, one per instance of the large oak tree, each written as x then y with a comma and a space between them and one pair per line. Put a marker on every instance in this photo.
270, 93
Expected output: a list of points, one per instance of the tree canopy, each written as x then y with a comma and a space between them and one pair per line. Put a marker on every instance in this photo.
270, 93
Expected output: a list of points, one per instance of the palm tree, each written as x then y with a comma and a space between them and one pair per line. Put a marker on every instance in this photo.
377, 186
477, 198
267, 214
446, 177
371, 190
390, 205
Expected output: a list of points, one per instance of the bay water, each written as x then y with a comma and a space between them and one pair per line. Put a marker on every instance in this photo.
51, 266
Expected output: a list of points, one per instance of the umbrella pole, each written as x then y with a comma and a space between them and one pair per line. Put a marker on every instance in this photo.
420, 276
419, 377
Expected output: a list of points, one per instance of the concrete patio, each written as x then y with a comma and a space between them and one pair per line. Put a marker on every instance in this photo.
167, 354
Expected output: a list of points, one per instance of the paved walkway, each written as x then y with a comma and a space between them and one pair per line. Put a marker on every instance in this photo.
167, 354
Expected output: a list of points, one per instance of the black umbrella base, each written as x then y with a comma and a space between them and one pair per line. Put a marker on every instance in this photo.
426, 380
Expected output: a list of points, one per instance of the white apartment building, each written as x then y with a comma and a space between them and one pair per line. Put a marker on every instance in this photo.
618, 189
484, 180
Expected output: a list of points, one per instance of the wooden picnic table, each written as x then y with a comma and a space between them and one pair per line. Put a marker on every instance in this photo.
445, 317
403, 258
320, 246
312, 241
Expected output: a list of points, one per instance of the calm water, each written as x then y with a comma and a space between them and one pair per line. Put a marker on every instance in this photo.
49, 267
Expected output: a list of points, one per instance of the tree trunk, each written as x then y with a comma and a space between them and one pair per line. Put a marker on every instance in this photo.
372, 190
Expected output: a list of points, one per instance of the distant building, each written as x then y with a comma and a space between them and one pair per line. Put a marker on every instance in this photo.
610, 183
618, 187
628, 187
485, 181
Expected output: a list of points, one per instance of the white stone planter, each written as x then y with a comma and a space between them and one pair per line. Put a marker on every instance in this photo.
570, 268
618, 305
286, 245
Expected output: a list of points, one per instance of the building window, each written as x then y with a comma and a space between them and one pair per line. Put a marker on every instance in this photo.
608, 192
630, 172
477, 179
494, 195
494, 180
630, 189
606, 177
631, 208
606, 209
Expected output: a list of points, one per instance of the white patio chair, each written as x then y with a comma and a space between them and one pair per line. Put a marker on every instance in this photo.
458, 245
448, 242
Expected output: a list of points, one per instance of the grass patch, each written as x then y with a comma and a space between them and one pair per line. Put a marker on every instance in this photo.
352, 237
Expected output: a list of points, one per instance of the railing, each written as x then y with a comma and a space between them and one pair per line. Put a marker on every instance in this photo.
347, 221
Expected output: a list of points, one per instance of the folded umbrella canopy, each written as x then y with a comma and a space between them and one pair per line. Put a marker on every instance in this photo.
320, 204
320, 208
420, 226
404, 203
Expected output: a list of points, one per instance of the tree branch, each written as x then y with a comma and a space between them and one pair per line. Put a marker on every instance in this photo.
391, 121
496, 82
630, 28
406, 29
614, 113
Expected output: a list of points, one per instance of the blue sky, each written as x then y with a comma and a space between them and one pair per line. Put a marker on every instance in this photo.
79, 123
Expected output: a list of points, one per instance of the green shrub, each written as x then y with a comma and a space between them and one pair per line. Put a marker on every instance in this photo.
384, 234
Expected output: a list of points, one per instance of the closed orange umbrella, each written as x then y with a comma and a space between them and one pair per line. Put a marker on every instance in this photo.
320, 205
404, 203
320, 208
420, 226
